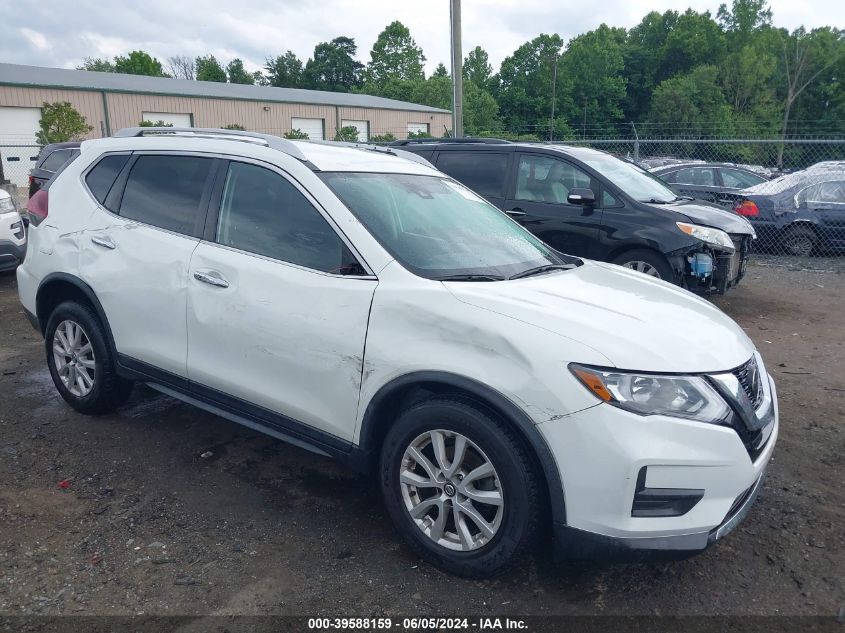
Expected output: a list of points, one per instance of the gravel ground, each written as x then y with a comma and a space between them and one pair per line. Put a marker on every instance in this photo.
163, 509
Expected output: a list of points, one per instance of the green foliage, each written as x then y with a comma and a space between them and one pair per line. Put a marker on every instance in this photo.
440, 71
138, 63
61, 122
387, 137
158, 123
481, 112
334, 66
420, 134
395, 56
693, 102
295, 134
97, 64
237, 74
285, 71
695, 39
477, 68
234, 126
209, 69
347, 133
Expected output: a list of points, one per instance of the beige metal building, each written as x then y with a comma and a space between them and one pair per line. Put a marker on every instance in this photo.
110, 101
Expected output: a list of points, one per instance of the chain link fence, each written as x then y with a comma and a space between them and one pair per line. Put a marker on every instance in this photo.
16, 161
792, 192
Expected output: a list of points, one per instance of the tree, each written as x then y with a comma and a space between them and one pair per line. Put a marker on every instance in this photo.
395, 55
387, 137
60, 122
695, 39
692, 104
237, 74
334, 66
296, 134
159, 123
347, 133
805, 57
234, 126
420, 134
259, 79
593, 65
481, 112
643, 56
477, 68
525, 82
96, 64
285, 71
440, 71
181, 67
209, 69
744, 16
138, 63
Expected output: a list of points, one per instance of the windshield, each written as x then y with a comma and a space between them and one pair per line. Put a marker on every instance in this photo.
438, 228
632, 180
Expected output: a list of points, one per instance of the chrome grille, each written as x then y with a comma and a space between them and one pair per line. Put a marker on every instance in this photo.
749, 378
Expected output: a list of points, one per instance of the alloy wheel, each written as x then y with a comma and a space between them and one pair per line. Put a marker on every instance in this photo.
451, 490
643, 267
74, 358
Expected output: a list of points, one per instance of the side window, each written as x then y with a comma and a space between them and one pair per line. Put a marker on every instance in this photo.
263, 213
739, 179
671, 177
101, 178
608, 200
546, 179
166, 191
832, 192
483, 172
702, 176
55, 160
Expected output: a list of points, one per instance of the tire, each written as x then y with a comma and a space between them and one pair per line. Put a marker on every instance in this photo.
799, 240
97, 388
471, 551
647, 262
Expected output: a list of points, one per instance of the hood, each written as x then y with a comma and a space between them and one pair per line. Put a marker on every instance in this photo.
709, 215
636, 321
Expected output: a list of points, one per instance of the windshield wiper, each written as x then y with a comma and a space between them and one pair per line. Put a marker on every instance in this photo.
470, 278
541, 269
656, 201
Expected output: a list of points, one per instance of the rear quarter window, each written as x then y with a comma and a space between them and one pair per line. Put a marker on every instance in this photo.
101, 178
55, 160
483, 172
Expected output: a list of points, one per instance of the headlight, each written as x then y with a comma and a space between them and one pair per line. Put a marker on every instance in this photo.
653, 394
714, 237
6, 205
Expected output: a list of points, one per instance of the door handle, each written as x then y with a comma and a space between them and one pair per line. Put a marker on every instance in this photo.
515, 212
105, 242
211, 277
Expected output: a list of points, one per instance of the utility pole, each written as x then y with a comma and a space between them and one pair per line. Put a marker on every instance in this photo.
457, 70
554, 89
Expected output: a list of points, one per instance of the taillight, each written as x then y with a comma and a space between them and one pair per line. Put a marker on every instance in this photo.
747, 208
31, 180
37, 207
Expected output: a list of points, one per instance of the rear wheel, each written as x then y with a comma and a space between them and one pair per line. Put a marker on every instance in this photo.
799, 240
80, 360
647, 262
460, 487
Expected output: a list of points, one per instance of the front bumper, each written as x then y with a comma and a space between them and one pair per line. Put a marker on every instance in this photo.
600, 452
11, 254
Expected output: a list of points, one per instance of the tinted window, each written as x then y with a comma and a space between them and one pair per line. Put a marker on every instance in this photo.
545, 179
102, 177
484, 172
737, 179
55, 160
166, 191
693, 176
263, 213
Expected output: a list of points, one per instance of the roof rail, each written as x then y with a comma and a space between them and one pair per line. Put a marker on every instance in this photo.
268, 140
450, 139
382, 149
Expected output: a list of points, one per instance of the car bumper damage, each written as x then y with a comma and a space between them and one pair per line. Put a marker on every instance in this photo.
707, 270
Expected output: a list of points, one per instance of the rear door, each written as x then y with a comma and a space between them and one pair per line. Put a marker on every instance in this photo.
825, 202
538, 201
484, 172
151, 219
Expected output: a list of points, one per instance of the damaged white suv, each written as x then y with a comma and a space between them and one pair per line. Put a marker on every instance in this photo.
360, 304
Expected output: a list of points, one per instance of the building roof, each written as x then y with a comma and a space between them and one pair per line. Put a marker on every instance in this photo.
40, 77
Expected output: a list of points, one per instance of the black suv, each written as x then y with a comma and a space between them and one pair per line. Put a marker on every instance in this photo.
50, 159
589, 203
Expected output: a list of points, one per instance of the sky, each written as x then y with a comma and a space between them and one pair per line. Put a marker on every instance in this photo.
38, 33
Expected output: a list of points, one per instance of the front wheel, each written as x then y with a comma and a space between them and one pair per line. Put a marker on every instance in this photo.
460, 487
647, 262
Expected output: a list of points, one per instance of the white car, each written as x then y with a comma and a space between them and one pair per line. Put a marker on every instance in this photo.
360, 304
12, 233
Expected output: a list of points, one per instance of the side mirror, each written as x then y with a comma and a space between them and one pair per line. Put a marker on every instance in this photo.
581, 195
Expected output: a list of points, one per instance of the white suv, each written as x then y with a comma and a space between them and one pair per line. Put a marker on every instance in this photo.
12, 233
360, 304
